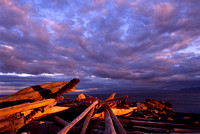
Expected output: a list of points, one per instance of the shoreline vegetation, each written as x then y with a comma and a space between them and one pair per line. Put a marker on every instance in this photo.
47, 109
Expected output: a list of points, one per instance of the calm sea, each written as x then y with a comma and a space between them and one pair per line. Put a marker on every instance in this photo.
182, 101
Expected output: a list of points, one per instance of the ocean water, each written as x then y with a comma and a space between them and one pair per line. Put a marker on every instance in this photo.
182, 101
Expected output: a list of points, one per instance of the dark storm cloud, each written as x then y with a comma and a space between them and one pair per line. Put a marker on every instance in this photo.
143, 44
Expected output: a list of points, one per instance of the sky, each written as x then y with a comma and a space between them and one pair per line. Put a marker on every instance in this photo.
110, 45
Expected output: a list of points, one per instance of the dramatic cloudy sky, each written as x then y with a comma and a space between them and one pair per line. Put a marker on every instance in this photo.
109, 45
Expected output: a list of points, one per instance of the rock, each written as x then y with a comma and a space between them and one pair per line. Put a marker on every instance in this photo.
170, 119
141, 106
80, 96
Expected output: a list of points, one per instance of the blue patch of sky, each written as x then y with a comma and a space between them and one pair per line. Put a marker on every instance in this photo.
194, 47
18, 31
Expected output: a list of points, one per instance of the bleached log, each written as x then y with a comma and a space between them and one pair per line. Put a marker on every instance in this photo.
26, 106
60, 121
117, 124
109, 128
151, 129
87, 120
44, 93
69, 126
182, 130
152, 124
64, 123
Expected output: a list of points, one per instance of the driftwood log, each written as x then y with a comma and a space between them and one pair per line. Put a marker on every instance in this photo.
64, 123
69, 126
109, 128
118, 125
26, 106
42, 93
87, 120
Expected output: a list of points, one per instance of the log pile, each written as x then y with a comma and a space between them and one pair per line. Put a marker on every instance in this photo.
42, 109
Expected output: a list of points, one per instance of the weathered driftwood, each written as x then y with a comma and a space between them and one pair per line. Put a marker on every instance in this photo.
113, 100
109, 128
37, 113
76, 102
40, 114
182, 130
64, 123
42, 86
151, 129
43, 94
118, 125
69, 126
117, 111
26, 106
112, 96
87, 120
12, 123
152, 124
60, 121
88, 95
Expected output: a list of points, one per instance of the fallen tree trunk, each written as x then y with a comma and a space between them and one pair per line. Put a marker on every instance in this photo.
87, 120
64, 123
43, 94
69, 126
182, 130
151, 129
42, 86
118, 125
40, 114
151, 123
109, 128
26, 106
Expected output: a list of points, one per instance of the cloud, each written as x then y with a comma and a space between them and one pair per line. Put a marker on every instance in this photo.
143, 44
